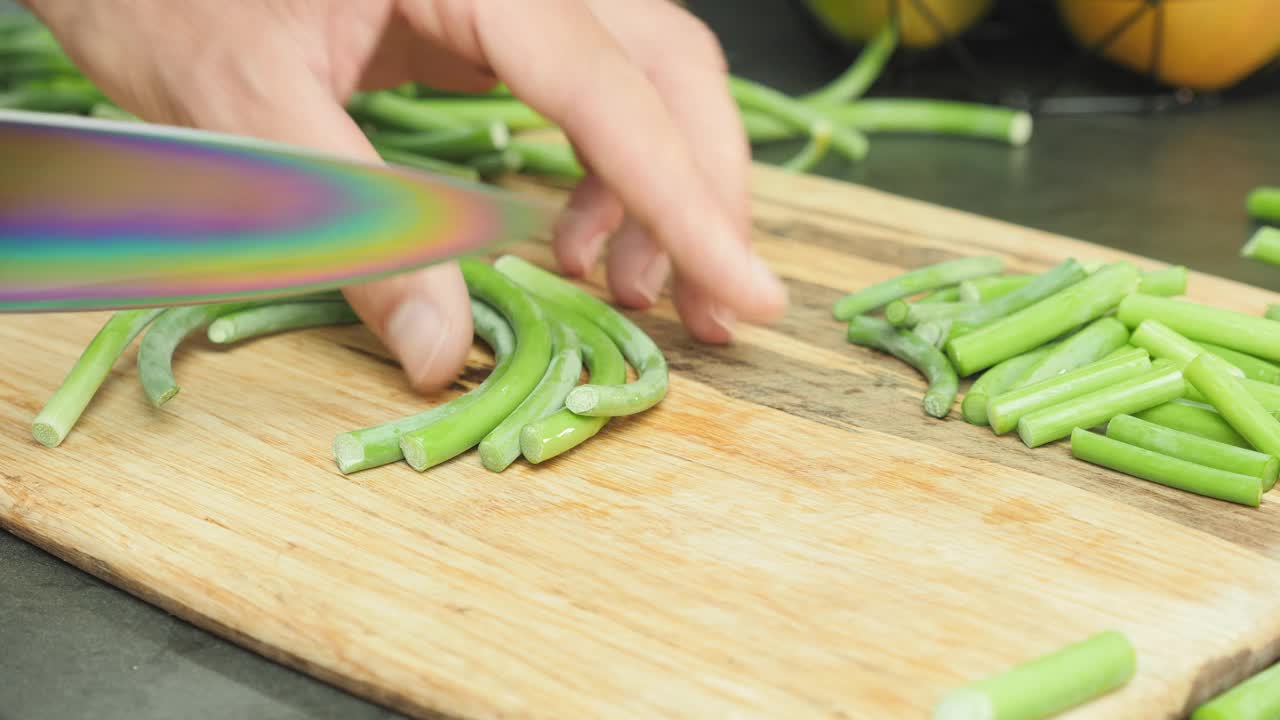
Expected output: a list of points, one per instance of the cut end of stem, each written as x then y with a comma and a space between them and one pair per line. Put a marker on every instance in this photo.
348, 452
220, 331
531, 446
414, 454
974, 409
494, 458
46, 434
164, 396
1263, 236
937, 405
1020, 129
965, 705
582, 400
500, 135
897, 312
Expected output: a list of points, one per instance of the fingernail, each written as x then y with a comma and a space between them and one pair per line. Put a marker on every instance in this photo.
724, 318
653, 277
415, 334
589, 251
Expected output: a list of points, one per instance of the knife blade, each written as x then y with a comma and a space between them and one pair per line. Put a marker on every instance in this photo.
99, 214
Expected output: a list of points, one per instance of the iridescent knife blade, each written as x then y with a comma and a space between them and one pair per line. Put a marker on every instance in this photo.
96, 214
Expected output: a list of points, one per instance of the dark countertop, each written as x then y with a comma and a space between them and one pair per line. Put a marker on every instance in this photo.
1168, 186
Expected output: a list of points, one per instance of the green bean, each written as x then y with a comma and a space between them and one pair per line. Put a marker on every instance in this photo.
378, 445
934, 332
1264, 246
470, 111
1194, 449
1060, 277
1095, 341
989, 288
1165, 282
399, 111
170, 328
501, 446
490, 165
1162, 342
910, 116
1263, 203
854, 82
813, 151
1164, 469
599, 399
948, 294
996, 381
1162, 383
908, 347
283, 317
564, 430
1048, 685
1252, 367
60, 413
1230, 329
1195, 419
1257, 698
62, 94
426, 164
448, 437
1266, 394
807, 118
1049, 318
915, 281
907, 314
1006, 409
457, 144
547, 158
1211, 375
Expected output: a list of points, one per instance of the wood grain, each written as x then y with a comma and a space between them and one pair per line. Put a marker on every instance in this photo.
787, 535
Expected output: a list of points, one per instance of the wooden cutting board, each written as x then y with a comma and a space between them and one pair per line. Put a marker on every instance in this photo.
787, 535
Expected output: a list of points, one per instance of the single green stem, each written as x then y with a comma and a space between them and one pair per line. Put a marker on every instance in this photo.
1048, 685
908, 347
556, 159
282, 317
472, 111
170, 328
638, 348
1005, 410
1032, 326
996, 381
501, 446
984, 289
1164, 282
1165, 469
64, 94
1264, 246
861, 75
1257, 698
930, 277
402, 112
1236, 330
908, 116
907, 314
60, 413
1194, 418
1252, 367
426, 164
1096, 341
564, 430
1213, 377
946, 294
448, 437
1264, 204
803, 117
812, 152
1044, 285
378, 445
1162, 383
491, 165
457, 144
1195, 449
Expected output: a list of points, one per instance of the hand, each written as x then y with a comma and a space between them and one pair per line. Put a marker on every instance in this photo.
638, 86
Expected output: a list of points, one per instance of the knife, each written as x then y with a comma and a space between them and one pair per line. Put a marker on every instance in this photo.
99, 214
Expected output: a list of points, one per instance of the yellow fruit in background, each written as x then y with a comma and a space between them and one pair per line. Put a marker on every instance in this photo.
1206, 45
859, 20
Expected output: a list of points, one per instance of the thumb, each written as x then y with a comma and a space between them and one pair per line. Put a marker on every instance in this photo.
423, 316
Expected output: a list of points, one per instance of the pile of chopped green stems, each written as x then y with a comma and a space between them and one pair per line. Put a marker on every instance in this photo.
484, 136
543, 331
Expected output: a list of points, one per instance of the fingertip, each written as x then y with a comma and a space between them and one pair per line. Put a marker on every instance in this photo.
707, 321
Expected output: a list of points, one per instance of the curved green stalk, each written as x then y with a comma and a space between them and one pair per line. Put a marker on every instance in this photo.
501, 446
805, 118
930, 277
378, 445
908, 347
564, 430
170, 328
276, 318
637, 347
448, 437
813, 151
68, 402
861, 75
